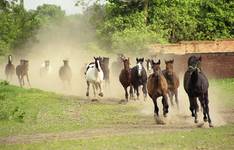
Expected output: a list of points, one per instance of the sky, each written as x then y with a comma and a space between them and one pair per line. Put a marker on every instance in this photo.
67, 5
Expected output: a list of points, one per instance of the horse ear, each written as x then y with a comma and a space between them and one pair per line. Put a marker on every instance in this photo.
165, 61
143, 59
159, 62
172, 60
200, 58
137, 59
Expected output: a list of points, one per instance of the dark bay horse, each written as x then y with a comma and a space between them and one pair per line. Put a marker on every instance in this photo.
125, 78
196, 86
139, 77
157, 86
9, 69
172, 81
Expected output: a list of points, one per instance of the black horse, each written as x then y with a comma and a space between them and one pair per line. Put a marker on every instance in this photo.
139, 77
196, 86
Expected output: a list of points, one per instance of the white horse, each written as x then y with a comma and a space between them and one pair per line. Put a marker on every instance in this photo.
94, 75
45, 69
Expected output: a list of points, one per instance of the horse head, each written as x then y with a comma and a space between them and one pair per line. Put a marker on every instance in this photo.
65, 62
126, 63
140, 67
194, 62
9, 59
156, 67
169, 66
97, 61
148, 64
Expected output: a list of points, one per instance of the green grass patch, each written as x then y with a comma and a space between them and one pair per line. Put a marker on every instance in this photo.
213, 138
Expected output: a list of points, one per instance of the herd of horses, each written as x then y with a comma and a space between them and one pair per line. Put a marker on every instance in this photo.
159, 83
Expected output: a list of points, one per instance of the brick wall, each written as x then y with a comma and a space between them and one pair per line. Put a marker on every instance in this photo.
217, 56
194, 47
215, 65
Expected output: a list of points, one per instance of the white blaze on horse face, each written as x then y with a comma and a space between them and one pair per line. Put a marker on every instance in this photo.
139, 69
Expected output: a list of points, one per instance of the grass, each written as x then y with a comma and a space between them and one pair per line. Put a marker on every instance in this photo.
217, 138
49, 112
31, 111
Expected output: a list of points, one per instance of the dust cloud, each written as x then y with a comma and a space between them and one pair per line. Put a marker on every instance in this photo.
59, 44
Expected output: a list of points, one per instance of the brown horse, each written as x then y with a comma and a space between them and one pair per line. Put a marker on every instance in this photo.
125, 78
172, 81
9, 69
157, 86
21, 71
65, 74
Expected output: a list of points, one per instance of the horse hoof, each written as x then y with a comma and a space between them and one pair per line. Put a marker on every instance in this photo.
200, 125
123, 101
94, 100
211, 125
159, 121
205, 119
100, 94
87, 94
195, 121
165, 115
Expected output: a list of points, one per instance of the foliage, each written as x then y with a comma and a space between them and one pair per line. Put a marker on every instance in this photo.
18, 27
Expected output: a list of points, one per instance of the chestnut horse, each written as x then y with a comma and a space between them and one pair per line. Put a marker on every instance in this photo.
157, 86
196, 86
125, 78
172, 81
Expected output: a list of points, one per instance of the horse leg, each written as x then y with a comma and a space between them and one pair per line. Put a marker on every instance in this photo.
165, 105
19, 78
206, 109
131, 92
170, 94
193, 107
137, 91
88, 85
176, 98
28, 80
144, 91
94, 89
202, 102
155, 107
100, 87
126, 93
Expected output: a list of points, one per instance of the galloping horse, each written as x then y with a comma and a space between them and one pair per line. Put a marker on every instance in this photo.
148, 65
105, 68
125, 77
157, 86
116, 65
172, 81
65, 74
139, 77
95, 76
196, 86
9, 69
21, 71
45, 69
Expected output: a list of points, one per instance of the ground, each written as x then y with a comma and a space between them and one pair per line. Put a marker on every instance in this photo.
35, 119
